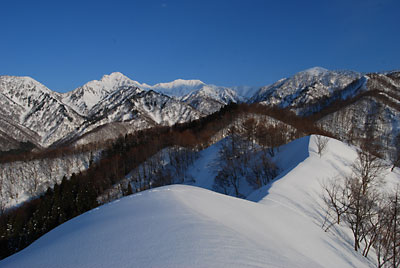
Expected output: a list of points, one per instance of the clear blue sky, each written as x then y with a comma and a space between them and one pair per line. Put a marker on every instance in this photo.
64, 44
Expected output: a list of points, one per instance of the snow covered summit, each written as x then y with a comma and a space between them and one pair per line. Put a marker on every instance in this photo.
304, 88
178, 87
315, 71
84, 98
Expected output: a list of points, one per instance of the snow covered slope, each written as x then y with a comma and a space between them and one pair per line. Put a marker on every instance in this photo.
246, 92
129, 109
186, 226
375, 111
130, 102
210, 98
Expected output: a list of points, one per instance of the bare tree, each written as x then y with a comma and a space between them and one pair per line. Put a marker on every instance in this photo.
383, 237
10, 184
356, 199
2, 196
335, 198
387, 244
249, 129
321, 143
33, 181
229, 166
395, 156
261, 170
363, 194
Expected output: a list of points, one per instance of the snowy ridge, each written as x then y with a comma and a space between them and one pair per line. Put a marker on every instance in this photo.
185, 226
178, 88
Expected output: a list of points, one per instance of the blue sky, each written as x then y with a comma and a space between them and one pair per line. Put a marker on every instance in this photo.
64, 44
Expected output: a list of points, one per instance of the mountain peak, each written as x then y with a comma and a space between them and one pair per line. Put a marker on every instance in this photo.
84, 98
114, 76
315, 71
178, 87
180, 83
23, 82
110, 82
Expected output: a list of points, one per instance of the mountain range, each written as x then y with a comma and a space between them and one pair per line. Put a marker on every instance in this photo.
115, 105
32, 113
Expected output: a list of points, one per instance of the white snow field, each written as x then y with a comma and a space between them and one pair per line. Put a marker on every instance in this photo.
188, 226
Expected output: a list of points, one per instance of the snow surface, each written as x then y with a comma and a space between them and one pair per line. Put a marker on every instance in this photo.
186, 226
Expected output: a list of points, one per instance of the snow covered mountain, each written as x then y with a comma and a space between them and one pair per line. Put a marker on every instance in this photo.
129, 109
84, 98
373, 113
304, 88
210, 99
204, 98
345, 103
185, 226
112, 106
31, 112
116, 105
